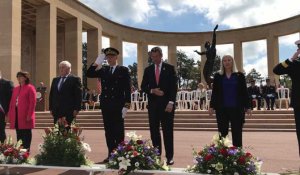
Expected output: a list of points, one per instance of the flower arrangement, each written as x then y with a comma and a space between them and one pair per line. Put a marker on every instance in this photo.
13, 153
135, 154
63, 146
222, 158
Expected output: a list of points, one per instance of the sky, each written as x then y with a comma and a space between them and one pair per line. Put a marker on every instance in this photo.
201, 16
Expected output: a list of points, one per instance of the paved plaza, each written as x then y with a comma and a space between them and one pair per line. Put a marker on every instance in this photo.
278, 150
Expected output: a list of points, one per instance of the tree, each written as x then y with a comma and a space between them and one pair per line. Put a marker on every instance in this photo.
253, 75
133, 74
188, 71
84, 64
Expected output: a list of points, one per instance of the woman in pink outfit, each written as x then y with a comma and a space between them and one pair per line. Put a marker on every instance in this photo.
21, 110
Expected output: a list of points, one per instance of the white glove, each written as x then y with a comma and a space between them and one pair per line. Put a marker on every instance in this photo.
124, 111
100, 59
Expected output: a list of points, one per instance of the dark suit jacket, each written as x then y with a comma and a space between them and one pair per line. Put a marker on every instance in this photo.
293, 70
167, 82
269, 90
254, 91
115, 87
6, 88
62, 103
217, 101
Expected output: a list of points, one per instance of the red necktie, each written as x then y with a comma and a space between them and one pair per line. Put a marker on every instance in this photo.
157, 74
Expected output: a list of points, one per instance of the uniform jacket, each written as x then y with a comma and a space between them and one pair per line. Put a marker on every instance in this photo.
217, 101
254, 91
115, 87
293, 70
167, 82
269, 90
64, 101
26, 95
6, 88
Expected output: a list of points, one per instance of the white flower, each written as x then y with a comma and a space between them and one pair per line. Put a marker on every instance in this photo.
136, 164
132, 135
2, 157
219, 166
86, 147
234, 163
23, 150
216, 139
68, 140
258, 165
15, 160
236, 173
124, 163
208, 171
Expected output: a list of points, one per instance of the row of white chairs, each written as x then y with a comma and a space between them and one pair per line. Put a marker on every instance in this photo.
190, 100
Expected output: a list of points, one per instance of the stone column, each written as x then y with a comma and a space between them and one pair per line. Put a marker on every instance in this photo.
10, 38
117, 43
273, 57
172, 57
238, 55
73, 44
46, 44
94, 45
203, 61
142, 61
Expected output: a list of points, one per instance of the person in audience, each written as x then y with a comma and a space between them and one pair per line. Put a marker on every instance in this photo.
65, 94
160, 84
291, 67
6, 89
86, 97
269, 93
230, 100
21, 109
94, 96
254, 94
115, 96
202, 95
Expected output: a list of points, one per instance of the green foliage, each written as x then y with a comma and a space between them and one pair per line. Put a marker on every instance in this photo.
63, 147
253, 75
133, 74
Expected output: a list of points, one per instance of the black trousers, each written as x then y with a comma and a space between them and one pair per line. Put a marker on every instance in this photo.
23, 134
113, 126
2, 127
236, 119
258, 102
157, 117
297, 121
268, 99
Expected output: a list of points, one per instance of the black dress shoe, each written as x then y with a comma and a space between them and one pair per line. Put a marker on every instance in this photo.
170, 162
106, 160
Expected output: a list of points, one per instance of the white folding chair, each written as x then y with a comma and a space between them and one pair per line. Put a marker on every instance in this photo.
144, 102
96, 102
283, 96
208, 98
135, 103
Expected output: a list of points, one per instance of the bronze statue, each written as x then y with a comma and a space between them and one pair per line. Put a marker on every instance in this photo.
210, 54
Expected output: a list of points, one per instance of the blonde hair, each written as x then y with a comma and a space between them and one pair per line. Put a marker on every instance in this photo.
222, 69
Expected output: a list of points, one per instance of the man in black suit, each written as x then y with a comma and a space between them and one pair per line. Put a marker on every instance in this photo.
269, 93
160, 84
292, 68
65, 94
6, 88
254, 93
115, 97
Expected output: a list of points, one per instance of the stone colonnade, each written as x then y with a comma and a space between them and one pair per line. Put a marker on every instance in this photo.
56, 27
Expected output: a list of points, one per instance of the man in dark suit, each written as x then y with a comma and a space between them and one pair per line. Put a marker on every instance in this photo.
65, 94
292, 68
160, 84
269, 93
254, 93
115, 96
6, 88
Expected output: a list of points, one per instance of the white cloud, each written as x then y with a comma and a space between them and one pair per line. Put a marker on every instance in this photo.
137, 11
189, 51
289, 40
224, 49
105, 42
129, 53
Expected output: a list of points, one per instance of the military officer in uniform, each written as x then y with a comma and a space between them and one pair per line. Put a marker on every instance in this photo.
269, 93
115, 96
254, 93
